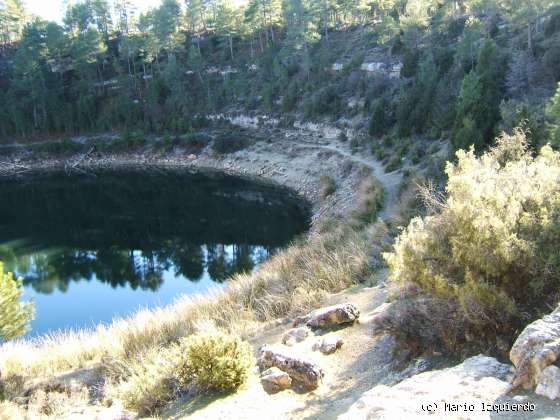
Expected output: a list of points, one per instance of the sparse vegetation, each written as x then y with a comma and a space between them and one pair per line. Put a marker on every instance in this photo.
14, 314
370, 200
230, 143
327, 185
209, 361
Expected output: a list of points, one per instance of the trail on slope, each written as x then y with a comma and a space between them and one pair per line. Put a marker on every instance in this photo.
389, 180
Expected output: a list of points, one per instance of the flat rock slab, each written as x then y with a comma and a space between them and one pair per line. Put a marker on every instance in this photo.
304, 372
330, 316
478, 380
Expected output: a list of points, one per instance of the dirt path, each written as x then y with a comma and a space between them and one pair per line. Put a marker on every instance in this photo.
363, 361
390, 181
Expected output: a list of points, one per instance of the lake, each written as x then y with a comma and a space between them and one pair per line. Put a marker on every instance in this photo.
99, 245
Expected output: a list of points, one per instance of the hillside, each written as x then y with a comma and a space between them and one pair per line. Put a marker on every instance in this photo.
420, 137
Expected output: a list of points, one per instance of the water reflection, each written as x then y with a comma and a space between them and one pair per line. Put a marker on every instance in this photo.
56, 269
136, 231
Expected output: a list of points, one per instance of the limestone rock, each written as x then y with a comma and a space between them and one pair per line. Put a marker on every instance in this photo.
275, 380
328, 345
477, 380
330, 316
295, 335
549, 383
537, 347
302, 371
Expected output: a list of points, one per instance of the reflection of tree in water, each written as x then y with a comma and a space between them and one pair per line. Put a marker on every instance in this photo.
131, 228
56, 269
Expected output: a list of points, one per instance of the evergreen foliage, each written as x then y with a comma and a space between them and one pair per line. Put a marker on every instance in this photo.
14, 315
109, 68
488, 252
215, 361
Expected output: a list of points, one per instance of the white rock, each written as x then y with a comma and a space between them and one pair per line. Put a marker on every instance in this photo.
306, 373
537, 347
328, 345
295, 335
477, 380
330, 316
549, 383
275, 380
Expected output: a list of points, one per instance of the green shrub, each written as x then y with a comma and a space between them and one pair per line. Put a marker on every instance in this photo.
214, 362
378, 151
490, 251
342, 136
553, 115
379, 121
394, 164
230, 143
14, 315
417, 153
327, 185
370, 200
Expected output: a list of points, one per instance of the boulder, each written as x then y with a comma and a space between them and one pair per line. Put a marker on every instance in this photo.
549, 383
330, 316
328, 345
275, 380
536, 348
295, 335
304, 372
439, 394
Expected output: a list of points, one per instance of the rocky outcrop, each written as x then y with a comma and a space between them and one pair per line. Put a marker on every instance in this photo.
328, 345
536, 348
437, 394
330, 316
549, 383
295, 335
275, 380
304, 372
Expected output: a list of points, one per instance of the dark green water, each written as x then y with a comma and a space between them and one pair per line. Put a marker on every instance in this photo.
92, 247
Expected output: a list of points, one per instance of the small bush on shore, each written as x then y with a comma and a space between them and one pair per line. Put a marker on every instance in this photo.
211, 361
490, 251
214, 362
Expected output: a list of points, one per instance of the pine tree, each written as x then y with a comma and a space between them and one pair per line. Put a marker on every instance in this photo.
14, 315
553, 116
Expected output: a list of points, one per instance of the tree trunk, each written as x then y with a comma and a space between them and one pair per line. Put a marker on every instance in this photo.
231, 46
530, 38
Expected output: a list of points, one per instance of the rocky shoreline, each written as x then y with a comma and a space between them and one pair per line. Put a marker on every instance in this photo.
297, 163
